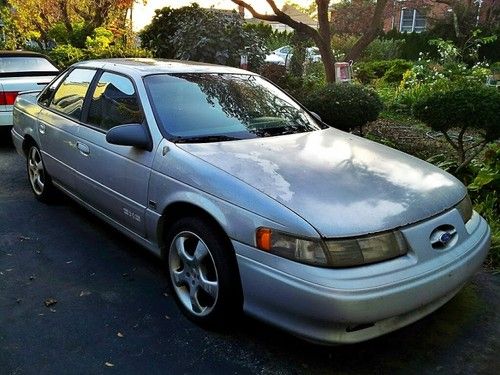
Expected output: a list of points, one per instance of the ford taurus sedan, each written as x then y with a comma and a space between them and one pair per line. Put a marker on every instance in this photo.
253, 202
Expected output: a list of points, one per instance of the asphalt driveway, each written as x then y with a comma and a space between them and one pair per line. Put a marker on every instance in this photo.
109, 310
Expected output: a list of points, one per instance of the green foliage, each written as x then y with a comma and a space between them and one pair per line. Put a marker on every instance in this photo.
469, 106
208, 35
77, 37
342, 44
382, 49
101, 38
487, 177
65, 54
391, 71
466, 106
273, 39
345, 106
483, 191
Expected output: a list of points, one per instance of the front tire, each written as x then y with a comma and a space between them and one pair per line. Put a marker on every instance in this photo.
203, 272
40, 181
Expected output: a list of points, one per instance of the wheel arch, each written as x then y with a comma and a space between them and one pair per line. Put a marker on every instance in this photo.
27, 142
181, 209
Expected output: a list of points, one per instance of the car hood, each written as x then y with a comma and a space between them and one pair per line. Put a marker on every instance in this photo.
343, 185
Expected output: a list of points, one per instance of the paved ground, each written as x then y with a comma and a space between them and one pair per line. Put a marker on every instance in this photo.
105, 285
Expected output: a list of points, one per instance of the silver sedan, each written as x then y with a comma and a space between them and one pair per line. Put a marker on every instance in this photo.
254, 204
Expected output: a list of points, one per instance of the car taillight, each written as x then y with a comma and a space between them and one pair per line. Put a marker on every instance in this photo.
8, 97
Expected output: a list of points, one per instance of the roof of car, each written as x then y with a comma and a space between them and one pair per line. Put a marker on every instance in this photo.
20, 53
147, 66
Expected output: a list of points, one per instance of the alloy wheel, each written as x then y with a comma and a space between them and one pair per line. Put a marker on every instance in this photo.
193, 273
36, 171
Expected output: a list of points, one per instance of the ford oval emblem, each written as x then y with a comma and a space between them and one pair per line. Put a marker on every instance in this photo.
443, 237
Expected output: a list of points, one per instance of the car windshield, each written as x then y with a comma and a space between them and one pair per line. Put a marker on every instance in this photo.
17, 64
204, 107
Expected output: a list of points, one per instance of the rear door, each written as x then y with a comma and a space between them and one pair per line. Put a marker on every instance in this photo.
59, 121
112, 178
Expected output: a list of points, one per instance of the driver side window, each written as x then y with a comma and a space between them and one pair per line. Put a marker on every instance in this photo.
114, 102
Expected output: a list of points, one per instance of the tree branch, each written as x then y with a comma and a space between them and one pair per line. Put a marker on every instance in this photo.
450, 141
279, 16
373, 31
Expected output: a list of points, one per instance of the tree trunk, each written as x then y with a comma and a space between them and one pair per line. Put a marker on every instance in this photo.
327, 58
374, 30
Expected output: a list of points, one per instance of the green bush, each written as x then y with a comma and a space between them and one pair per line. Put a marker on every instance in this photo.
345, 106
390, 71
382, 49
467, 107
65, 55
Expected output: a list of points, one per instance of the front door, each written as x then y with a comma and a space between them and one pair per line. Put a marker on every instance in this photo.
114, 179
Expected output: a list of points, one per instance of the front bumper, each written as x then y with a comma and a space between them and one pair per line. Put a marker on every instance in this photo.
356, 304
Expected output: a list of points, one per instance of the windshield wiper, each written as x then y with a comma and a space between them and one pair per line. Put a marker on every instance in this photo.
204, 139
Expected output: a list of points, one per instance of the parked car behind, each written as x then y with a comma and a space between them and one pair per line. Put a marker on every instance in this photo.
253, 203
21, 71
283, 55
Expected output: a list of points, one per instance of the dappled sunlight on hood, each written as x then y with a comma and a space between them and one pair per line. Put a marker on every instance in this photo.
396, 171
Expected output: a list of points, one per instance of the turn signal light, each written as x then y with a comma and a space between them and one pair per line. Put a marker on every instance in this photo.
263, 239
8, 97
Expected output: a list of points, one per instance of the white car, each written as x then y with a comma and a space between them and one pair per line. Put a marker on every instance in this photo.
286, 53
21, 71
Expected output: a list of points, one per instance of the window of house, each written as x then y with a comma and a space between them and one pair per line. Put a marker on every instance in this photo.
412, 20
68, 98
114, 102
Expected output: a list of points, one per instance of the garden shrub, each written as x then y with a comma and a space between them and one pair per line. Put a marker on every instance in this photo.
65, 55
344, 106
465, 106
390, 71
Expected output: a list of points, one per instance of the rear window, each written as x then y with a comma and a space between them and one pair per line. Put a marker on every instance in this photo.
25, 64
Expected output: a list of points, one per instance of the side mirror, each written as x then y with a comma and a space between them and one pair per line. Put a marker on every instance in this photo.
134, 135
316, 116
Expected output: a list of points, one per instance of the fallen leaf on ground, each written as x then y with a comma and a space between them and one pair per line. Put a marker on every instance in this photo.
32, 277
52, 310
24, 238
84, 293
165, 294
119, 334
50, 301
167, 317
69, 261
109, 364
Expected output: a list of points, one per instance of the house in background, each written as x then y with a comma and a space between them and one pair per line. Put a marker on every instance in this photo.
418, 15
407, 16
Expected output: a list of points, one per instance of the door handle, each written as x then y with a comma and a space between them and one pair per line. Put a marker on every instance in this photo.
41, 128
83, 148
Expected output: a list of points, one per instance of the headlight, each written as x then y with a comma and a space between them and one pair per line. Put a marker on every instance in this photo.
287, 246
465, 208
365, 250
333, 253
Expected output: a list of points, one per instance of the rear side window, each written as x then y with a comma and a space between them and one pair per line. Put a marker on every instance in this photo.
114, 102
68, 98
17, 64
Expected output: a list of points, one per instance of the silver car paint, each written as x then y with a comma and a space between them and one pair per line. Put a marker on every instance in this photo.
317, 303
342, 184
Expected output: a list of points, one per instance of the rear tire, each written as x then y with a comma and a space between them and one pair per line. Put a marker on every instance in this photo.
38, 178
203, 274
